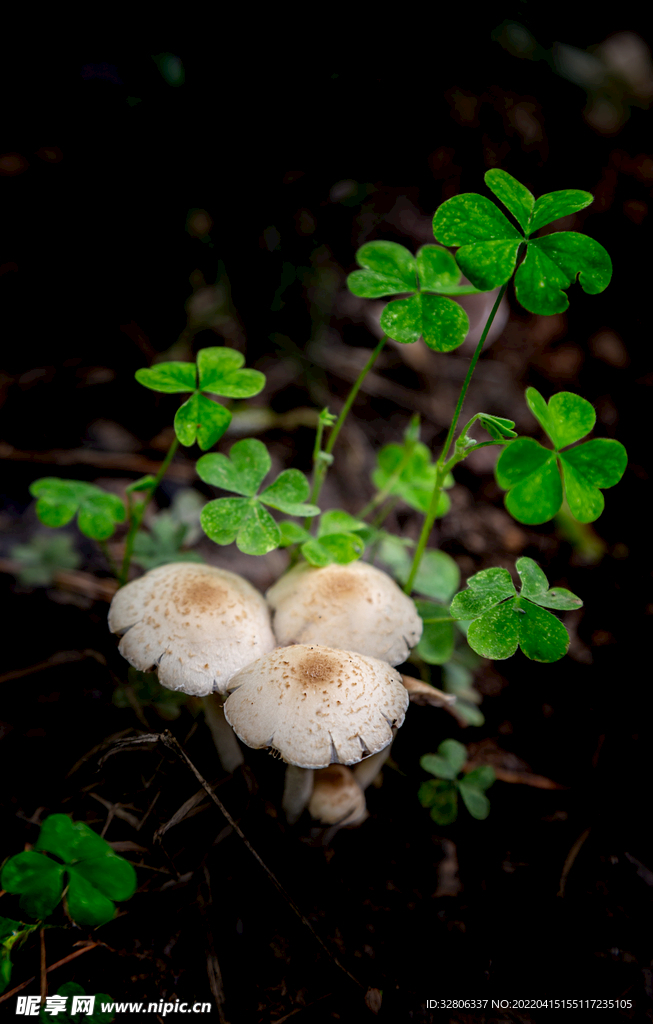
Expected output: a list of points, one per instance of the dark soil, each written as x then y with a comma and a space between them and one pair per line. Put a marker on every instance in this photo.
550, 898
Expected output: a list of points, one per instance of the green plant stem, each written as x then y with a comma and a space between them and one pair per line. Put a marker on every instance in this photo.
321, 467
317, 447
470, 372
441, 465
138, 511
380, 518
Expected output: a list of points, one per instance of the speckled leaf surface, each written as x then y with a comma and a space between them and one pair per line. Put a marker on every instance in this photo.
242, 471
530, 472
566, 418
258, 533
199, 419
471, 218
484, 590
170, 378
554, 205
519, 200
498, 629
437, 269
596, 464
288, 493
221, 519
535, 587
489, 264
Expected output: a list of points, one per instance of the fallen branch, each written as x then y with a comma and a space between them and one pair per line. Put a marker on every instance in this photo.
59, 963
169, 741
98, 589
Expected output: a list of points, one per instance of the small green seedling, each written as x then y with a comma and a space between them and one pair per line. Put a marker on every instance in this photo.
80, 862
408, 472
440, 795
244, 519
171, 532
72, 995
12, 935
218, 372
532, 474
490, 245
163, 544
43, 557
501, 621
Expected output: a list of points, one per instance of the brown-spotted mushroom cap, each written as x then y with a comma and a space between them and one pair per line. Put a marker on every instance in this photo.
337, 797
315, 705
193, 624
353, 607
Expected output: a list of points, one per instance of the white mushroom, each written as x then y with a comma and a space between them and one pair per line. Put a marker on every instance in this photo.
195, 625
337, 798
315, 706
353, 607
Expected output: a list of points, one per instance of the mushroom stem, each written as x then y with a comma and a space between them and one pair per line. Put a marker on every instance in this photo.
367, 770
297, 791
226, 744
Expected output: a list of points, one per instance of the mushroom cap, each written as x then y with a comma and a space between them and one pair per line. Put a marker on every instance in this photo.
193, 624
337, 798
353, 607
315, 705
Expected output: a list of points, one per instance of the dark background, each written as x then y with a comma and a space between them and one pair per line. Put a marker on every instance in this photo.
131, 184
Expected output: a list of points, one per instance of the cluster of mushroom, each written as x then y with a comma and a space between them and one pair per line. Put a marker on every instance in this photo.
315, 683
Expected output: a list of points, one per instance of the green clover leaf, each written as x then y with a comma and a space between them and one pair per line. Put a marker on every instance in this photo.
475, 801
338, 540
503, 621
245, 520
59, 500
389, 269
448, 761
534, 475
441, 796
38, 879
218, 372
489, 244
170, 378
242, 471
95, 874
